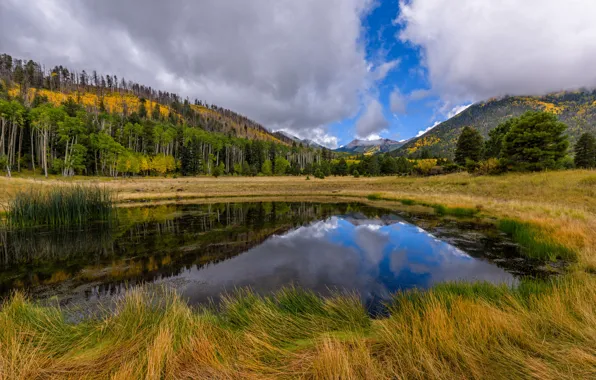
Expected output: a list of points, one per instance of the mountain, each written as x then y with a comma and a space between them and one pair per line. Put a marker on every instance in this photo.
370, 146
576, 109
288, 138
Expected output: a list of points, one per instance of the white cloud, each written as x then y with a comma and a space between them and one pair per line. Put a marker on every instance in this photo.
419, 94
321, 137
372, 120
397, 102
457, 110
384, 68
287, 64
448, 114
374, 136
420, 133
476, 49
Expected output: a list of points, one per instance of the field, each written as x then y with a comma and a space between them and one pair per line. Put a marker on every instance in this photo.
538, 330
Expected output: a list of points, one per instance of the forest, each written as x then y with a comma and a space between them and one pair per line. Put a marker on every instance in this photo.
59, 121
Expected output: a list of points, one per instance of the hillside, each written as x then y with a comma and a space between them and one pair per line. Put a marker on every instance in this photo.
61, 121
370, 146
214, 119
576, 109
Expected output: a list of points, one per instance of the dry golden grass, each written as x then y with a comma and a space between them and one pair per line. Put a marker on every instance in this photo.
542, 331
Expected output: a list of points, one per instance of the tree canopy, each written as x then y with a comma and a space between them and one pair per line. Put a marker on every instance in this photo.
469, 146
536, 141
585, 151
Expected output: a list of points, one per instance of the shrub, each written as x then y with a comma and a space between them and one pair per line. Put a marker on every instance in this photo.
491, 166
356, 174
319, 174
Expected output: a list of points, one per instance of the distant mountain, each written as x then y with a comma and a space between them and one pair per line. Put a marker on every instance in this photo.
370, 146
576, 109
289, 138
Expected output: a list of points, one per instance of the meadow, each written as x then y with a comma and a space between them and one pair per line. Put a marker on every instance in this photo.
536, 330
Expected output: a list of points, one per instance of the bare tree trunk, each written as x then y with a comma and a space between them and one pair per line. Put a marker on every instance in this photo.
32, 151
20, 148
45, 153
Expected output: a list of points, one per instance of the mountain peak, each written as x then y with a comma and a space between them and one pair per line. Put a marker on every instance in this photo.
370, 146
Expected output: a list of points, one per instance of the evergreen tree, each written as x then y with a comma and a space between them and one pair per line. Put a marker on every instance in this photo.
373, 167
388, 165
494, 144
469, 146
342, 167
585, 151
404, 166
535, 142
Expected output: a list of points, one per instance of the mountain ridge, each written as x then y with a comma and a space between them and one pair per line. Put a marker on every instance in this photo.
382, 145
577, 109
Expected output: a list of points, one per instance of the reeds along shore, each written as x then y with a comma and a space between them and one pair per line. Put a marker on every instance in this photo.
60, 206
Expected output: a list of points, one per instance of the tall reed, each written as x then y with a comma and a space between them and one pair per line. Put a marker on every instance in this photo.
60, 206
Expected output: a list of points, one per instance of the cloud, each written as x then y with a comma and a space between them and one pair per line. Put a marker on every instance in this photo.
287, 64
321, 137
397, 102
373, 137
419, 94
420, 133
383, 69
372, 120
457, 110
448, 112
476, 49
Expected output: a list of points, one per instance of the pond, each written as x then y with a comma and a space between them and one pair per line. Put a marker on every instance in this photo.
207, 250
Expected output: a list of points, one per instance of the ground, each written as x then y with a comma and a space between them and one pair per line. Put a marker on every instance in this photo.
454, 331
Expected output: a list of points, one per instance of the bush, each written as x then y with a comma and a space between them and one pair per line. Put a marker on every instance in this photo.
356, 174
471, 165
451, 167
217, 171
492, 166
319, 174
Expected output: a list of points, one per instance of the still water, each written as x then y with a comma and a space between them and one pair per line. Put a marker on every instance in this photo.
206, 250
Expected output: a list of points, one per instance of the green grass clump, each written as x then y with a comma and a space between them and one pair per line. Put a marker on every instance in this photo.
407, 202
374, 197
534, 243
60, 206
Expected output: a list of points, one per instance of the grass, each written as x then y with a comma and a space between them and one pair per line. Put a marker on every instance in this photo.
541, 330
59, 206
534, 243
452, 331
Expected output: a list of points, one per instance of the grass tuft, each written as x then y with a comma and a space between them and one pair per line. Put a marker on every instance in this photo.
374, 197
60, 206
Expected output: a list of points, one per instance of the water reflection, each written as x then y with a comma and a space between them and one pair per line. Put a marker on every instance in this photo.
204, 250
374, 257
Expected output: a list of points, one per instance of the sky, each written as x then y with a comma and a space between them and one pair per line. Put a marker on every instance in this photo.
327, 70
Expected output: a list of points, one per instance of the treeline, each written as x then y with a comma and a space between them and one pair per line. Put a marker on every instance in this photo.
535, 141
71, 138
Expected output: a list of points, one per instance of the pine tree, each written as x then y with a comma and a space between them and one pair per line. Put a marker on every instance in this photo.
585, 151
342, 167
535, 142
469, 146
